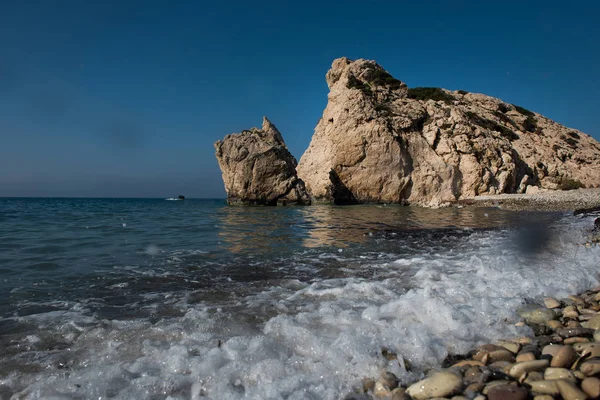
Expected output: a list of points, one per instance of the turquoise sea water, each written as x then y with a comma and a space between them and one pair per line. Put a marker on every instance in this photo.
148, 298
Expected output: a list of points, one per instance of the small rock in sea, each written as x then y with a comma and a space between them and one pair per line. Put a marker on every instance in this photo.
535, 314
381, 391
564, 357
440, 384
551, 349
400, 394
507, 392
390, 380
591, 386
569, 391
551, 302
491, 385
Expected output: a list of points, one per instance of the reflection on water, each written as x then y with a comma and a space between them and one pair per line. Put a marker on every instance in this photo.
266, 230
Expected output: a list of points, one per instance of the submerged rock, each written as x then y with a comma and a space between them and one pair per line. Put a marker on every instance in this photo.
379, 141
258, 169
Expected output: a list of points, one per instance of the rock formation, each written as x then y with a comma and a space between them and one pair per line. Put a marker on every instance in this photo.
379, 141
258, 169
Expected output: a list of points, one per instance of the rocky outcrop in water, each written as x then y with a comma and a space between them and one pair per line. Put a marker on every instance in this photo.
379, 141
258, 169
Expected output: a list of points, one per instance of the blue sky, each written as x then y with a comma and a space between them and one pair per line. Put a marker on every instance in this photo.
125, 98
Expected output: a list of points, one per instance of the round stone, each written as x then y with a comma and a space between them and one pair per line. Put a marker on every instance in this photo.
518, 369
440, 384
591, 386
594, 322
551, 302
569, 391
507, 392
564, 357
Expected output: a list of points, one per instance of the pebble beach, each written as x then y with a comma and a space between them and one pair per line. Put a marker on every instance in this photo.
560, 359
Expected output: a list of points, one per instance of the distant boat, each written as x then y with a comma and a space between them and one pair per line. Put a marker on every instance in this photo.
180, 197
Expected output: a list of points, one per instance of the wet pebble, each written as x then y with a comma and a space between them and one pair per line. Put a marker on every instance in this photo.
440, 384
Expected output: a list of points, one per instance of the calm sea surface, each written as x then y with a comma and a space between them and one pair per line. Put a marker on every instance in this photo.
157, 299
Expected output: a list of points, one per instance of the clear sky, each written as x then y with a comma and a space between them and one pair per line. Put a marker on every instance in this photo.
125, 98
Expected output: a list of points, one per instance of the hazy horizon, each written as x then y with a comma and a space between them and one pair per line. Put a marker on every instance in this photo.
125, 99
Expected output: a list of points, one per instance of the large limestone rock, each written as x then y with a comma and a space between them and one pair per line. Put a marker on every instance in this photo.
378, 141
258, 169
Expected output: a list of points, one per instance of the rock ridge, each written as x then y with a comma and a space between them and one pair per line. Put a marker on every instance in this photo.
379, 141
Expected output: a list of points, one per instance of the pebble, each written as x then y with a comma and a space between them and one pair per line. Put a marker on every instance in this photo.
534, 314
440, 384
576, 339
551, 302
551, 349
502, 355
543, 397
574, 332
381, 390
507, 392
590, 367
518, 369
544, 387
597, 336
551, 374
564, 357
591, 351
594, 322
554, 324
569, 391
510, 346
390, 380
591, 386
525, 357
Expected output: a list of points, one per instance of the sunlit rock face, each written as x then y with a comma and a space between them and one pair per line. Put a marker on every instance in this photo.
379, 141
258, 169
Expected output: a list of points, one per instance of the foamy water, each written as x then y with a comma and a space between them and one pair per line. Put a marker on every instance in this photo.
296, 317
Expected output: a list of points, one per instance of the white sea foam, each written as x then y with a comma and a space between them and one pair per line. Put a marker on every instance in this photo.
301, 340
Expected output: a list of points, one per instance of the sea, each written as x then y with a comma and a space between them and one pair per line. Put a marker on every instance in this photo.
194, 299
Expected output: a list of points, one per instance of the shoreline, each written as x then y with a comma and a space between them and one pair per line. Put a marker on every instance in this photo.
559, 359
577, 201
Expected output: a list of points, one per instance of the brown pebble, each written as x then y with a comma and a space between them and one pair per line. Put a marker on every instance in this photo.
591, 351
590, 367
591, 386
493, 384
573, 323
569, 391
577, 299
551, 349
381, 390
564, 357
551, 302
554, 324
525, 357
368, 384
518, 369
390, 380
507, 392
575, 332
510, 346
576, 339
471, 363
501, 355
543, 397
544, 387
